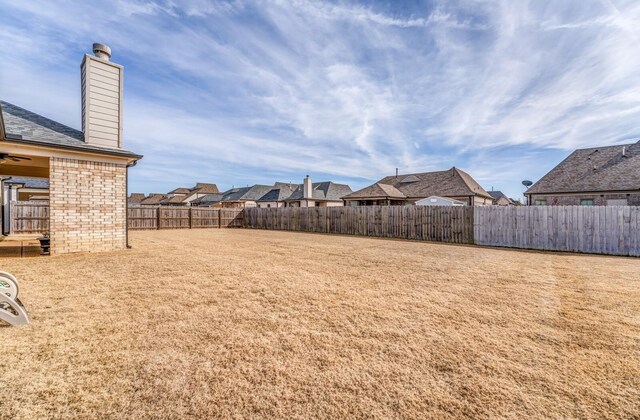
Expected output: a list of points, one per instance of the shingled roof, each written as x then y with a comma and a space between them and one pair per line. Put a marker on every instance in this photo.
593, 170
22, 126
252, 193
153, 199
135, 198
497, 195
322, 191
29, 182
451, 183
280, 192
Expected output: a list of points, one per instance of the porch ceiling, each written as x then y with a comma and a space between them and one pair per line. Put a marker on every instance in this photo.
37, 166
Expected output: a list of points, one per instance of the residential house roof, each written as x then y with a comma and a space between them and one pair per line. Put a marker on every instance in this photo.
205, 188
22, 126
29, 182
181, 190
497, 195
594, 169
252, 193
153, 199
280, 191
135, 198
450, 183
208, 199
322, 191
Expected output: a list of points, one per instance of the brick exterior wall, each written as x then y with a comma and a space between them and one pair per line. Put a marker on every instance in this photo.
87, 206
599, 199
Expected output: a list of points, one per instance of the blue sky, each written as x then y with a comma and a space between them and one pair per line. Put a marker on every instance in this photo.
244, 92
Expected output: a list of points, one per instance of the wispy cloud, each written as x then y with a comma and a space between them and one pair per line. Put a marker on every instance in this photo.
237, 92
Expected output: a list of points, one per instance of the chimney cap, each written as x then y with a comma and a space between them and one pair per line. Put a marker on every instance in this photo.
102, 51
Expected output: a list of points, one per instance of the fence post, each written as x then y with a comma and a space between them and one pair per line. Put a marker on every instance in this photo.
220, 218
158, 217
190, 218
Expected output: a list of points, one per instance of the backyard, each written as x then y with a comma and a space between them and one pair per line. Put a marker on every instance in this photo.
251, 323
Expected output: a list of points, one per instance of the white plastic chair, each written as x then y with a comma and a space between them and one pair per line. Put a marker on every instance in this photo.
11, 309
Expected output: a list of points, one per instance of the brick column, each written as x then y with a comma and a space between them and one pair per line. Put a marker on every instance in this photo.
87, 206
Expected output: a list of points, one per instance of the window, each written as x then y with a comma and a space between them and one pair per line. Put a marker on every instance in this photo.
540, 202
586, 202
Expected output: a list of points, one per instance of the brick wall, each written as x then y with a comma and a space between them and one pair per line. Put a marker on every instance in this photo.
88, 206
633, 199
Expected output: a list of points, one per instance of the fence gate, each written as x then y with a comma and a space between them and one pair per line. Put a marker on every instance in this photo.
28, 217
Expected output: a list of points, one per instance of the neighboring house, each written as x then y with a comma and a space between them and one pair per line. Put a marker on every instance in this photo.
597, 176
319, 194
208, 200
185, 196
434, 200
500, 199
22, 188
153, 199
278, 194
408, 189
135, 199
87, 170
244, 197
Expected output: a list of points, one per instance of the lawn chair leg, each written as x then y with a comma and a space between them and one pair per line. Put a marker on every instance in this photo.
12, 311
9, 285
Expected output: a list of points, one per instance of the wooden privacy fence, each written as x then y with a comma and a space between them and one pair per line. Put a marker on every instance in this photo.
144, 218
428, 223
29, 217
601, 229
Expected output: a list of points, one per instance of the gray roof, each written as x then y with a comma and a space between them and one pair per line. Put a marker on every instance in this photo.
280, 191
451, 183
592, 170
497, 195
24, 126
323, 191
253, 193
29, 182
208, 199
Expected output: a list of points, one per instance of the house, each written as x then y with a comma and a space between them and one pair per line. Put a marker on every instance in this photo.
87, 170
244, 197
153, 199
410, 188
597, 176
24, 188
319, 194
278, 194
208, 200
185, 196
434, 200
135, 199
500, 199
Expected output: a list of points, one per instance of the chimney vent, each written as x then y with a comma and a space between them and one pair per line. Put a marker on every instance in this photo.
624, 150
102, 51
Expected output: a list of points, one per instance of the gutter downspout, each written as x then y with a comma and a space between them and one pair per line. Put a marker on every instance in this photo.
126, 203
4, 215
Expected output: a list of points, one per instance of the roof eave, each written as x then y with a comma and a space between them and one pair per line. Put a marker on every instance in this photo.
130, 155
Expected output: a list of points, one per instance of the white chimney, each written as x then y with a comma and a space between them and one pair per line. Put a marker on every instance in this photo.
307, 191
101, 98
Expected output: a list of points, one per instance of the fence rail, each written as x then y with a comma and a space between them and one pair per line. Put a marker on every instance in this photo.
147, 218
428, 223
29, 217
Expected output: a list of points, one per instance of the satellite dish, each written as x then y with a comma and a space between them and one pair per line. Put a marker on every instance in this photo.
527, 183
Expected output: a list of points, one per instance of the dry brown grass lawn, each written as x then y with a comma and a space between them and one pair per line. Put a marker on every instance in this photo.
244, 323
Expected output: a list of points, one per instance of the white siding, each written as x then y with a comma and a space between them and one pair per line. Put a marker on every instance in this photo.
101, 102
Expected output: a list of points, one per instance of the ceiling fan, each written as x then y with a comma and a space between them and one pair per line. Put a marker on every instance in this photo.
5, 157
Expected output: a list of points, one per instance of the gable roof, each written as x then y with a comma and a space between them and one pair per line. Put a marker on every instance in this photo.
594, 169
29, 182
450, 183
322, 191
204, 188
22, 126
181, 190
281, 191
